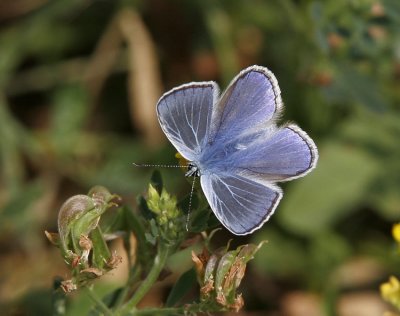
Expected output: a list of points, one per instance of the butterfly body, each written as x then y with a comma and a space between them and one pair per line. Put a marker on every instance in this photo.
233, 143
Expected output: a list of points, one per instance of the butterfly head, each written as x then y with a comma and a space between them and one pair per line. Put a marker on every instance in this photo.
192, 170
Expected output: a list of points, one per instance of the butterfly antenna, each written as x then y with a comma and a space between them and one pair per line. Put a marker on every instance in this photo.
190, 204
157, 166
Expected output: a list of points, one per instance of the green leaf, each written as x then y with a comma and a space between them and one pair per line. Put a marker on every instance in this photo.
386, 196
199, 220
101, 253
183, 204
331, 192
283, 257
360, 87
69, 115
383, 144
325, 253
186, 281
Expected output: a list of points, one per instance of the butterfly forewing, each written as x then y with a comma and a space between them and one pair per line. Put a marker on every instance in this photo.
185, 117
253, 98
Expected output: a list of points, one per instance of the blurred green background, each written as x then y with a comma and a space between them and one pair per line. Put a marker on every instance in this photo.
79, 80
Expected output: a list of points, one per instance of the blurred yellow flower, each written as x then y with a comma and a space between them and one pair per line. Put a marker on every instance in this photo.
396, 232
390, 291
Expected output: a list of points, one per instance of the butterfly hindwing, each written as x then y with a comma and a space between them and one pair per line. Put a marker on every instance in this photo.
241, 205
287, 153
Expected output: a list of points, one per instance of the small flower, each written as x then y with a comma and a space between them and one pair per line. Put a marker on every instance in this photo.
164, 205
169, 222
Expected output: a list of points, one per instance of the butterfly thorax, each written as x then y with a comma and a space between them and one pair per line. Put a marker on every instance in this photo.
215, 159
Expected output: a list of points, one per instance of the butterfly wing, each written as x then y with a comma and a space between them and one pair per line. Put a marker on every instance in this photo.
185, 113
252, 99
241, 205
285, 154
245, 139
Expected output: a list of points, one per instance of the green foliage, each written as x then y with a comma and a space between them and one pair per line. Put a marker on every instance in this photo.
185, 283
84, 249
342, 178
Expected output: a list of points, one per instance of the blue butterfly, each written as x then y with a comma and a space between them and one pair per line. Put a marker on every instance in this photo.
233, 143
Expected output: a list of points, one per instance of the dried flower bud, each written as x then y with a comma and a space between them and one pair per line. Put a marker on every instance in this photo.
114, 261
220, 275
91, 273
100, 195
74, 259
200, 262
68, 286
208, 287
54, 238
238, 303
85, 243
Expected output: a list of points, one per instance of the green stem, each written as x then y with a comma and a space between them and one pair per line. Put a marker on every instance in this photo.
133, 276
99, 302
145, 286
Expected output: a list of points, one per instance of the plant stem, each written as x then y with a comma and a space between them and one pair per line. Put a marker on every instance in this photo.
98, 302
158, 265
124, 293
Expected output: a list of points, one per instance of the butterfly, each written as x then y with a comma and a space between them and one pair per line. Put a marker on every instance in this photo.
232, 142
